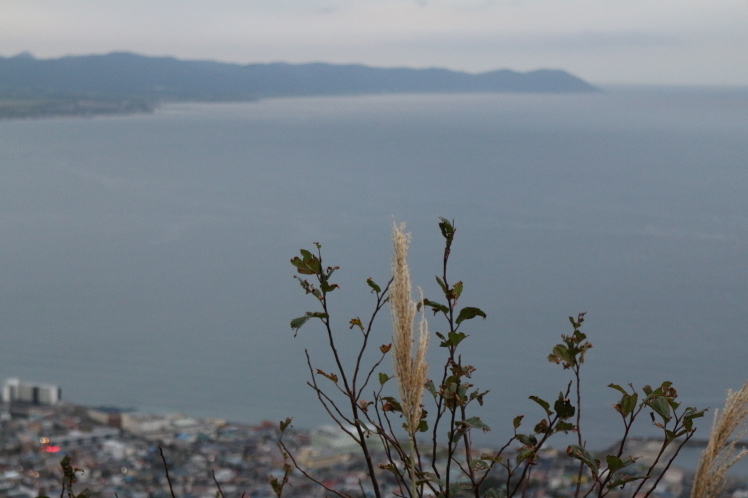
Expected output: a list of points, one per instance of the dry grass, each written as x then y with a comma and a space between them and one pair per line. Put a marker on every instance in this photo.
410, 371
721, 453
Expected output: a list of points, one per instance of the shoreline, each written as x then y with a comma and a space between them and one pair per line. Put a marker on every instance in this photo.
14, 109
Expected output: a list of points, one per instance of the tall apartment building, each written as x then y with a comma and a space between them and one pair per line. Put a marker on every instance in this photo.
28, 392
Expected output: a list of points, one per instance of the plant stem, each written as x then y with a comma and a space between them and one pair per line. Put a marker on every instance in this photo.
412, 466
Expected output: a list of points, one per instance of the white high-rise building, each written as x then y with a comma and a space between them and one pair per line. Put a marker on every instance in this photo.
29, 392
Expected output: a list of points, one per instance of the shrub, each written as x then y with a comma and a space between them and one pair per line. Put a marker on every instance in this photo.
356, 401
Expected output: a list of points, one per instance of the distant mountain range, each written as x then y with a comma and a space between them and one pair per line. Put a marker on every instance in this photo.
121, 78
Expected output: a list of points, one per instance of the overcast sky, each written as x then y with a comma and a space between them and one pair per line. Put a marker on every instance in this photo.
602, 41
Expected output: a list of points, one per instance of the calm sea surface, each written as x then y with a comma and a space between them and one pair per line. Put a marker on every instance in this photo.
144, 259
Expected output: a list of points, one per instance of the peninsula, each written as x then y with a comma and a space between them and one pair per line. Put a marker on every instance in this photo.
123, 82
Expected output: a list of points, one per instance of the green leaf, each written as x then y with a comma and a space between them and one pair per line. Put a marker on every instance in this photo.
688, 416
491, 458
285, 423
308, 264
618, 388
561, 354
441, 284
614, 463
468, 314
628, 403
435, 307
453, 339
277, 488
459, 432
622, 479
309, 288
477, 423
448, 231
530, 441
564, 427
526, 454
297, 323
660, 405
542, 427
373, 285
584, 456
325, 287
383, 377
423, 425
391, 404
478, 464
563, 407
430, 387
544, 404
623, 463
477, 394
330, 376
389, 467
518, 421
457, 290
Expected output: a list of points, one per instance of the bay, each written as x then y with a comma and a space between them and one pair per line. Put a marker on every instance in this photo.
145, 258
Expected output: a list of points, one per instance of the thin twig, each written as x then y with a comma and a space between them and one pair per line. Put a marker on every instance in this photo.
166, 469
307, 475
220, 491
579, 430
321, 394
381, 300
493, 461
538, 446
368, 376
672, 459
388, 442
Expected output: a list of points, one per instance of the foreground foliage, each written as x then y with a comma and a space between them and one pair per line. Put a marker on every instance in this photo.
361, 407
442, 462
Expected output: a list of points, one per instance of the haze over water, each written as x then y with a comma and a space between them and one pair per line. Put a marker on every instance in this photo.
145, 258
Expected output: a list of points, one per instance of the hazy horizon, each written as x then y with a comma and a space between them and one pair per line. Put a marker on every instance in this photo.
636, 42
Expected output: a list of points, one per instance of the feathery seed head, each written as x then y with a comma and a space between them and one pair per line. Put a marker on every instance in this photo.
410, 371
728, 428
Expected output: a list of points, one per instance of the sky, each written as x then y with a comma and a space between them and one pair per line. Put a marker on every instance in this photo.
687, 42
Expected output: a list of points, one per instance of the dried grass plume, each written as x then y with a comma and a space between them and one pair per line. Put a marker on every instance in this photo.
721, 453
410, 371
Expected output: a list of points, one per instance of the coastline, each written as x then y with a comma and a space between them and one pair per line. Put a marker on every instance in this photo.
66, 107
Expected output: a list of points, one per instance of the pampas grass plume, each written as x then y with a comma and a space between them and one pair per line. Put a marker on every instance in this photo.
728, 428
410, 371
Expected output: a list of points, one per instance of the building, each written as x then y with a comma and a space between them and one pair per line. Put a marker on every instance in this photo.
28, 392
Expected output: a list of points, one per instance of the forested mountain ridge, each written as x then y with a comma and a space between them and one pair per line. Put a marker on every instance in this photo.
126, 77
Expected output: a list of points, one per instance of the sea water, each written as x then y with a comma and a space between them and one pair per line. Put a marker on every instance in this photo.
145, 259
